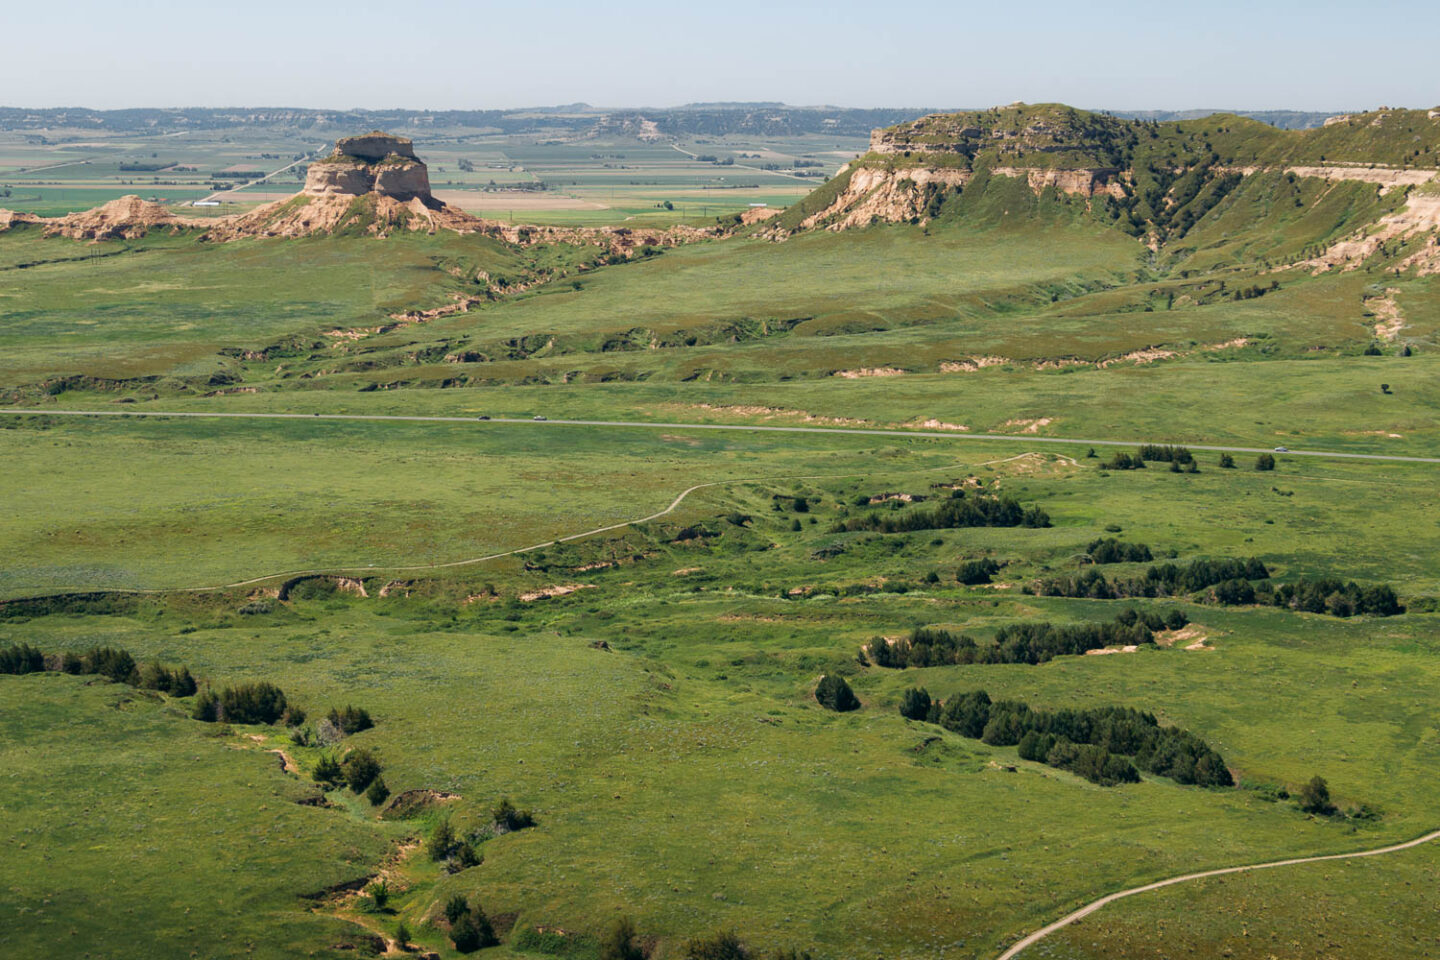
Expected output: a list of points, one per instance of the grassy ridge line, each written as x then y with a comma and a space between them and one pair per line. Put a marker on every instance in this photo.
1090, 908
845, 431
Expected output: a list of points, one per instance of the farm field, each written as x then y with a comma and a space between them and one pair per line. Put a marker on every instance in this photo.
586, 181
1082, 449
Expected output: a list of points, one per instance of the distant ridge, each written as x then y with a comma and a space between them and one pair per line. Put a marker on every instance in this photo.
576, 119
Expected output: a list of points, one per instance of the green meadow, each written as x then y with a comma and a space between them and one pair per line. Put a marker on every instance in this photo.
642, 680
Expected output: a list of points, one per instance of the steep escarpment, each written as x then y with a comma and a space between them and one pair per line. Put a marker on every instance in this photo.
1158, 182
374, 163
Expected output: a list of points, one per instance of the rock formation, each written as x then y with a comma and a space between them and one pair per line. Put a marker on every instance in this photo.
374, 163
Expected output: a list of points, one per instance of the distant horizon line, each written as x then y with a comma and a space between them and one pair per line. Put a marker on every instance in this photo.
584, 107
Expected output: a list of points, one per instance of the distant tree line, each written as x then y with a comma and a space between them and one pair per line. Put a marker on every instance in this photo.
1030, 643
113, 663
958, 511
1231, 582
1161, 580
1090, 743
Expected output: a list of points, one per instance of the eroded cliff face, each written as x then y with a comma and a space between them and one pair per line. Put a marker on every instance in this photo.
375, 163
877, 194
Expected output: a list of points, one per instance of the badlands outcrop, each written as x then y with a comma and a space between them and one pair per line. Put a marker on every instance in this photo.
374, 183
374, 163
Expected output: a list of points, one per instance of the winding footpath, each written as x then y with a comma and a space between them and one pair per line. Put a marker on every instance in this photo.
1020, 945
1090, 908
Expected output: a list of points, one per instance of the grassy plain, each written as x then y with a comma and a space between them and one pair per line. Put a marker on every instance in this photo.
658, 717
686, 777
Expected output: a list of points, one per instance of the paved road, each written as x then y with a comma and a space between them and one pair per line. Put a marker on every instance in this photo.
1090, 908
273, 173
753, 428
813, 181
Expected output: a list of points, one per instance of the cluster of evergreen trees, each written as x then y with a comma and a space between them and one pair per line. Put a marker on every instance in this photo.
359, 770
1161, 580
972, 572
1110, 550
1091, 743
958, 511
247, 703
1324, 595
454, 852
470, 928
1040, 642
1165, 453
113, 663
1232, 582
925, 647
21, 658
1019, 643
1179, 458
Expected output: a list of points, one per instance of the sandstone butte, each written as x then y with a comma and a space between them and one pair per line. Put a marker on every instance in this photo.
374, 182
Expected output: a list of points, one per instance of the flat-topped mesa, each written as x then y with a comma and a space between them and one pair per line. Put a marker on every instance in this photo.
373, 163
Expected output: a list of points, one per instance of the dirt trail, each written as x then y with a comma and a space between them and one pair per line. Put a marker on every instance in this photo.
1090, 908
373, 570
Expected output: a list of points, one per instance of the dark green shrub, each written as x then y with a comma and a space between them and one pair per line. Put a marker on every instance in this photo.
350, 720
377, 793
833, 693
379, 892
207, 707
359, 768
1264, 462
114, 664
441, 840
21, 658
619, 942
1110, 550
473, 931
1314, 796
327, 771
973, 572
456, 907
507, 819
252, 703
915, 704
722, 946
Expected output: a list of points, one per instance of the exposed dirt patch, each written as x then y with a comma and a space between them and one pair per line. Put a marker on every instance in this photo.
933, 424
1028, 426
686, 571
769, 413
413, 803
1128, 648
1387, 313
1148, 355
868, 372
1227, 345
287, 763
971, 364
559, 590
1421, 214
1192, 637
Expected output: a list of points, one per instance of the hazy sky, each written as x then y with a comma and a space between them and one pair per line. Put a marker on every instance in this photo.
444, 54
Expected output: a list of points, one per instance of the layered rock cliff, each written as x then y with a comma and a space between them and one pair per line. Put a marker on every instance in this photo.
1153, 180
374, 163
